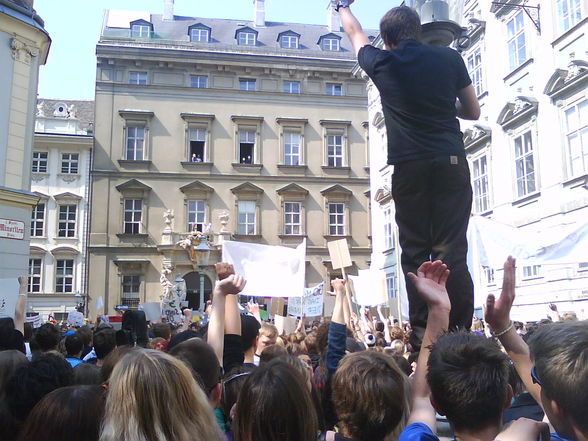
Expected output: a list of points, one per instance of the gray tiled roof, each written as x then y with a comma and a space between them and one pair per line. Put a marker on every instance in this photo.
83, 109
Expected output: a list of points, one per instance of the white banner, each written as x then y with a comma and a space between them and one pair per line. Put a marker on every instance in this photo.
75, 318
369, 287
34, 320
270, 271
311, 305
8, 297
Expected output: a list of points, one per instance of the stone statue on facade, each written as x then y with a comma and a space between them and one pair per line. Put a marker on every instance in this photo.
168, 218
173, 296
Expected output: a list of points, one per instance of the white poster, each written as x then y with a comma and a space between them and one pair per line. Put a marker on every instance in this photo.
270, 271
8, 297
311, 304
75, 318
369, 287
152, 311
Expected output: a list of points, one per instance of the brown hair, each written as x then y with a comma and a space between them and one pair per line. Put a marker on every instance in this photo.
401, 23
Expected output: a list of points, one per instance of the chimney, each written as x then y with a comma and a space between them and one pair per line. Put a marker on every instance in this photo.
333, 20
168, 10
259, 13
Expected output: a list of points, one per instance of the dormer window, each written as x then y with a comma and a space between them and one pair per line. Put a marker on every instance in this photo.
199, 33
289, 40
330, 42
246, 37
141, 29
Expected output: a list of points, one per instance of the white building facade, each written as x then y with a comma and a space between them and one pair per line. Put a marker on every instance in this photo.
59, 222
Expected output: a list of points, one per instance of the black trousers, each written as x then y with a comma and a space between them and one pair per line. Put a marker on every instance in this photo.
433, 201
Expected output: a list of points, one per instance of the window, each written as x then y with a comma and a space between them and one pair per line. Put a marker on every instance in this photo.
292, 148
330, 44
334, 89
35, 275
69, 163
569, 13
197, 142
474, 62
291, 86
39, 162
196, 215
131, 288
247, 84
517, 53
38, 221
335, 150
336, 219
247, 217
199, 34
391, 285
64, 274
489, 275
139, 78
292, 218
531, 272
199, 81
388, 228
576, 129
246, 146
524, 165
140, 31
135, 143
246, 39
480, 184
289, 41
133, 213
67, 221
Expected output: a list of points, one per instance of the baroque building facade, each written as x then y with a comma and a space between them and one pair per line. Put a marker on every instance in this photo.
245, 130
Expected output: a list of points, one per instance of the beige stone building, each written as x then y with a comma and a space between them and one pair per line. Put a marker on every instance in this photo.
248, 130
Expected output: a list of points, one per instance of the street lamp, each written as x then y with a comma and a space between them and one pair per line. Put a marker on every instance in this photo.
440, 20
201, 251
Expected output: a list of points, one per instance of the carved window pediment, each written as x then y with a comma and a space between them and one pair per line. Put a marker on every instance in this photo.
247, 190
197, 190
515, 112
336, 191
476, 136
383, 196
566, 81
292, 190
133, 188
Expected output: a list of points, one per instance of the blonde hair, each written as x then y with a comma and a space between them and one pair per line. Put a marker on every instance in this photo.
268, 330
154, 397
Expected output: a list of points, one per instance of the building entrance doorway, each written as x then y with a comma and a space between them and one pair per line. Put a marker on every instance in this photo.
198, 289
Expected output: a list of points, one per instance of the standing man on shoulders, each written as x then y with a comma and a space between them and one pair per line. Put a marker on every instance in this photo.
424, 89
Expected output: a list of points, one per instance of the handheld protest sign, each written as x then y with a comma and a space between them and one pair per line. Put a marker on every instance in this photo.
341, 259
285, 325
8, 297
277, 306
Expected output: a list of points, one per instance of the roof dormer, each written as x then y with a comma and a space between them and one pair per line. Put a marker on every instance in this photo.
199, 33
330, 42
141, 28
289, 40
246, 36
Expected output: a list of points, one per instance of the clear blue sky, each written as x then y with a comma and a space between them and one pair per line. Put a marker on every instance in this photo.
74, 26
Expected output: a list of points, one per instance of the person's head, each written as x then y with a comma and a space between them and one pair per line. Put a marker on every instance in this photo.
201, 359
104, 342
10, 361
268, 335
275, 405
47, 337
162, 330
73, 345
398, 346
181, 337
85, 334
560, 354
401, 23
153, 395
134, 323
73, 413
468, 376
271, 352
111, 360
232, 383
86, 374
370, 395
249, 332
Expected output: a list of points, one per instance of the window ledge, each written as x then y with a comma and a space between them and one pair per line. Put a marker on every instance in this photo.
132, 236
256, 167
518, 69
292, 236
329, 167
330, 237
578, 181
197, 165
40, 174
139, 162
485, 213
531, 279
293, 167
564, 34
247, 236
526, 200
483, 95
71, 239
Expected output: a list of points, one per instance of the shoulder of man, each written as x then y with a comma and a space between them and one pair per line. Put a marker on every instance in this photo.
417, 432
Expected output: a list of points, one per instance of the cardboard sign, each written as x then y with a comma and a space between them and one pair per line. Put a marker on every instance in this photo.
277, 306
152, 311
8, 297
75, 318
285, 325
369, 287
339, 253
310, 305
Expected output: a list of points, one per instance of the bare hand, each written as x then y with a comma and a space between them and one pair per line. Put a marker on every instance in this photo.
498, 311
553, 307
338, 285
524, 429
252, 308
223, 270
430, 281
23, 280
187, 313
233, 284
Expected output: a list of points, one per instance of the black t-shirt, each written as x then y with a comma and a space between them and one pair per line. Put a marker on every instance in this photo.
418, 86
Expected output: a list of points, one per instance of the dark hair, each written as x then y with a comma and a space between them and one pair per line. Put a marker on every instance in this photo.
87, 374
275, 405
560, 351
111, 360
47, 337
85, 334
232, 383
200, 357
10, 361
73, 345
162, 330
370, 395
401, 23
271, 352
468, 375
71, 413
135, 325
181, 337
104, 342
249, 331
28, 331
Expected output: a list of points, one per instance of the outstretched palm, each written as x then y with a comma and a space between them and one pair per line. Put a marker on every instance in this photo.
498, 311
430, 281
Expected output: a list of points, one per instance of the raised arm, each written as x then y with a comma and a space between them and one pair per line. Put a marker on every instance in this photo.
21, 304
337, 329
467, 104
351, 26
430, 282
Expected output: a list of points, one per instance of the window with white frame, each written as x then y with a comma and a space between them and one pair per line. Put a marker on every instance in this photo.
199, 81
196, 144
334, 89
135, 143
137, 77
131, 291
391, 285
289, 41
35, 267
39, 162
247, 146
337, 219
330, 44
291, 86
489, 276
517, 48
248, 84
474, 62
132, 216
576, 130
67, 221
524, 165
292, 148
246, 38
335, 151
246, 217
38, 221
292, 218
388, 228
531, 272
569, 13
196, 215
64, 275
69, 163
480, 184
199, 34
140, 31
